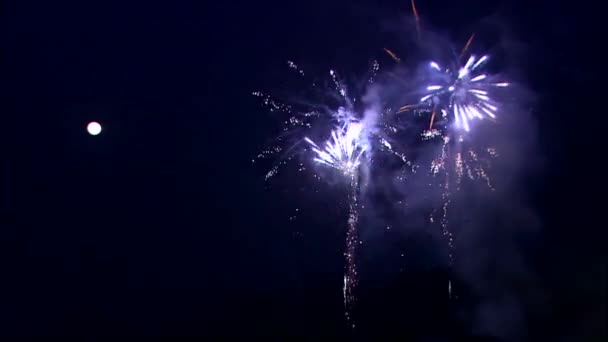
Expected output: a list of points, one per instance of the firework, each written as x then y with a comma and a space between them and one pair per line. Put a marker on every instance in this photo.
465, 92
320, 107
460, 94
456, 97
346, 150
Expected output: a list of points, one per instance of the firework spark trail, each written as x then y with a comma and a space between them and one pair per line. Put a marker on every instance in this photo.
416, 17
432, 119
352, 237
406, 108
459, 167
373, 72
399, 155
293, 66
296, 120
339, 86
387, 129
393, 55
479, 169
440, 165
452, 165
467, 45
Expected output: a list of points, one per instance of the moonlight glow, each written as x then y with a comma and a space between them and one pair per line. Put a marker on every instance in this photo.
94, 128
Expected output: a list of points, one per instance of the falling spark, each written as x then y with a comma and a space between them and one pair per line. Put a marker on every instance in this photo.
449, 288
432, 120
459, 167
411, 166
440, 165
339, 86
478, 168
426, 97
416, 17
430, 134
478, 78
393, 55
406, 108
467, 45
293, 65
272, 104
373, 72
459, 164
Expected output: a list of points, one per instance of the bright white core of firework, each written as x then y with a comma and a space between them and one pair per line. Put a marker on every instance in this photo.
344, 150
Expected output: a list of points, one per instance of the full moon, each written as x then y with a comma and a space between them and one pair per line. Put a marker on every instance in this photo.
94, 128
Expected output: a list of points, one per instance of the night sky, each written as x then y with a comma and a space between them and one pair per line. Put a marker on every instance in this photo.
162, 228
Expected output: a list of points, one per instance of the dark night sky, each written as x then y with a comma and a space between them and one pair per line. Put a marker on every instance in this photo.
162, 228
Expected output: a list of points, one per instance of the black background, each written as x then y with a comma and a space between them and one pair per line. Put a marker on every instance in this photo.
161, 227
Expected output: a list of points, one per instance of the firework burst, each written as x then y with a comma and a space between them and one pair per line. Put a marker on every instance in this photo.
320, 108
347, 150
464, 92
344, 150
